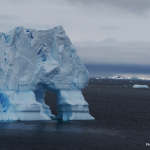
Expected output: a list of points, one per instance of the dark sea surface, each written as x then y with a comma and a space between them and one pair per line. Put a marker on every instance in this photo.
122, 122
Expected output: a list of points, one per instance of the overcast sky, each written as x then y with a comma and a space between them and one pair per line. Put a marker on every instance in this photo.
105, 32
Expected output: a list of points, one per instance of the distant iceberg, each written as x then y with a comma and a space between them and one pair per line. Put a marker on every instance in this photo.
140, 86
32, 61
119, 77
116, 77
144, 78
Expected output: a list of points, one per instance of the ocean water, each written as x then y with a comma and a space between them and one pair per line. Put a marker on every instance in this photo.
122, 122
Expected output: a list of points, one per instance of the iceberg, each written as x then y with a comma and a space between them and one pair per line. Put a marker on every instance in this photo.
117, 77
32, 62
140, 86
143, 78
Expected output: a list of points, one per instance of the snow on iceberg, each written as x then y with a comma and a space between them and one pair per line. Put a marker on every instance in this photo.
140, 86
32, 61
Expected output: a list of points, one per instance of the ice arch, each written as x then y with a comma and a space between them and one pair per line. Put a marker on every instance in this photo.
32, 61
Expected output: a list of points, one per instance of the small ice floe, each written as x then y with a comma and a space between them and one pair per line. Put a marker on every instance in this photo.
125, 85
140, 86
97, 78
131, 81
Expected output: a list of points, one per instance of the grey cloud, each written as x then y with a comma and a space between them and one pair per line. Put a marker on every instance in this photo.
134, 6
108, 28
8, 17
114, 52
109, 40
113, 69
18, 1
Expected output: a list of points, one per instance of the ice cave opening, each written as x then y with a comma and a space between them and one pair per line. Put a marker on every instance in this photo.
51, 100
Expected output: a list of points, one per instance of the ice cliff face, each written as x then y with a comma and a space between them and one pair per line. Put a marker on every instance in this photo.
32, 61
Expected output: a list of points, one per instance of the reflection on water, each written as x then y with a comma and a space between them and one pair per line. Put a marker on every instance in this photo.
58, 126
67, 135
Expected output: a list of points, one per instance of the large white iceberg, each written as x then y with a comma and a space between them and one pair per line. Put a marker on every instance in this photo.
32, 61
